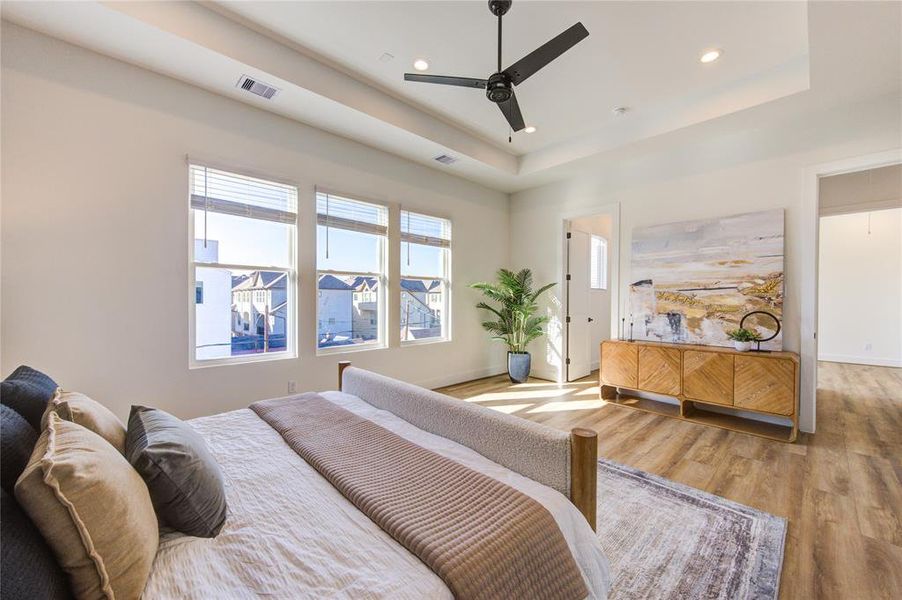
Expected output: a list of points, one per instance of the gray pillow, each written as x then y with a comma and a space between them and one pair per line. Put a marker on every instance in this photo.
27, 392
183, 478
16, 444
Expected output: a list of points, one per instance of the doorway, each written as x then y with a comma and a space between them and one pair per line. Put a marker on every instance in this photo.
808, 275
859, 321
591, 297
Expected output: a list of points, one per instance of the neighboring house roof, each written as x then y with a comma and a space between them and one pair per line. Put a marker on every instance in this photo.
413, 285
331, 282
272, 279
368, 283
419, 285
260, 280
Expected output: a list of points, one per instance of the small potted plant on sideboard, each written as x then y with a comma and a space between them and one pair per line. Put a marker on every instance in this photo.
516, 323
742, 339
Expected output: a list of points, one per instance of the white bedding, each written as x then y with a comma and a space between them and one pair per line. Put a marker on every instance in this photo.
290, 534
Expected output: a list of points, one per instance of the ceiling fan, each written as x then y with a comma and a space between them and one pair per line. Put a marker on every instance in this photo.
499, 86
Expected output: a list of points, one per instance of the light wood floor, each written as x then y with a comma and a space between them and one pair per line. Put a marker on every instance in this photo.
841, 489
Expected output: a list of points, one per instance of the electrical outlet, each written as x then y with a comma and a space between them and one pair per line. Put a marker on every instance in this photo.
292, 387
868, 347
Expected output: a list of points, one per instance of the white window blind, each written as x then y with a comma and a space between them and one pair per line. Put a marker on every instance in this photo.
598, 264
425, 230
339, 212
218, 191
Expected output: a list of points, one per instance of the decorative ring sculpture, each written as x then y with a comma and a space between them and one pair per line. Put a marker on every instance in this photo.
762, 312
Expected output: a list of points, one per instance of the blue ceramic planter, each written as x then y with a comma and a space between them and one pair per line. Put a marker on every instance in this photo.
518, 366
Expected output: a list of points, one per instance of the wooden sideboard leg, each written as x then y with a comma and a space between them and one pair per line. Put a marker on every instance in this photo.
342, 365
584, 472
607, 392
686, 407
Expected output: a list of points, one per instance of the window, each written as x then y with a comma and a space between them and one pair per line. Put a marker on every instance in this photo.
425, 277
598, 264
351, 246
242, 263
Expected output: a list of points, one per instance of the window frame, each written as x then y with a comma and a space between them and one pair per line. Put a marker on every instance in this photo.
445, 316
383, 277
603, 285
291, 312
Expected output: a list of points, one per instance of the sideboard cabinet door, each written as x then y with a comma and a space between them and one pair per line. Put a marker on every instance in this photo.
659, 370
708, 376
619, 364
765, 384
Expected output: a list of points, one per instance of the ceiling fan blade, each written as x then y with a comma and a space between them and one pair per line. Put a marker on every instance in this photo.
469, 82
544, 54
511, 112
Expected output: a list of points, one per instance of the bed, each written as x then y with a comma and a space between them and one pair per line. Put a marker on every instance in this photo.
291, 534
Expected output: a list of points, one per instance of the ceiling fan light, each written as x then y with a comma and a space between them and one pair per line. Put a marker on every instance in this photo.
530, 129
709, 56
420, 64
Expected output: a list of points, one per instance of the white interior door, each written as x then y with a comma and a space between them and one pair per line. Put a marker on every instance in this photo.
579, 328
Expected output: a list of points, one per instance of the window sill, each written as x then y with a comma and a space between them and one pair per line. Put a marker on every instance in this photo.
350, 349
241, 360
425, 342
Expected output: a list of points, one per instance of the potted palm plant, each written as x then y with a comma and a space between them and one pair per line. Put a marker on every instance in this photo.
516, 323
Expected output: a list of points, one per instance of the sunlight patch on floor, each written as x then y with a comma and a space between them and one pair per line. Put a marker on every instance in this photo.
568, 405
592, 391
534, 384
522, 395
510, 408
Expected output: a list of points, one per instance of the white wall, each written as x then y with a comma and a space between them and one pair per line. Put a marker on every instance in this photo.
860, 288
95, 232
697, 173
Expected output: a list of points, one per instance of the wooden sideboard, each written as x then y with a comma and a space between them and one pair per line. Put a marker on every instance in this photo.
703, 379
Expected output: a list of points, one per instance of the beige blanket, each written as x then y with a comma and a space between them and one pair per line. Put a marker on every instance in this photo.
482, 537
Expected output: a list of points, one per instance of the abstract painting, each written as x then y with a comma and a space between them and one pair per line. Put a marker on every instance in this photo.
693, 281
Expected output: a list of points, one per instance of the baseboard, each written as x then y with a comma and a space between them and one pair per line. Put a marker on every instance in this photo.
860, 360
452, 379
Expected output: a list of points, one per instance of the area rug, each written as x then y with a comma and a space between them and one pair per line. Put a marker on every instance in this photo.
668, 540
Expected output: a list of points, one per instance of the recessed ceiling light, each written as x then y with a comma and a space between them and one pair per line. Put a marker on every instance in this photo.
530, 129
420, 64
710, 55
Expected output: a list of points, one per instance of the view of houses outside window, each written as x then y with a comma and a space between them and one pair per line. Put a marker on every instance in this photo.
425, 268
351, 242
243, 264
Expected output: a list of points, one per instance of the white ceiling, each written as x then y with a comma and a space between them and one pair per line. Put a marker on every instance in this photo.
324, 56
643, 55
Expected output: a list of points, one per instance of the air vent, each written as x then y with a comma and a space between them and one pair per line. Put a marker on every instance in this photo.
446, 159
257, 87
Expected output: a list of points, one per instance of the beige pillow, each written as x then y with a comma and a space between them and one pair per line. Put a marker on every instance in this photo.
78, 408
93, 509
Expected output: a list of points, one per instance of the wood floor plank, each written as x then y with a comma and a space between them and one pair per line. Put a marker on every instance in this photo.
840, 489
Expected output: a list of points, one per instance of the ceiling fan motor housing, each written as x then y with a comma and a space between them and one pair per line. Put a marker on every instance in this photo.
499, 7
498, 88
